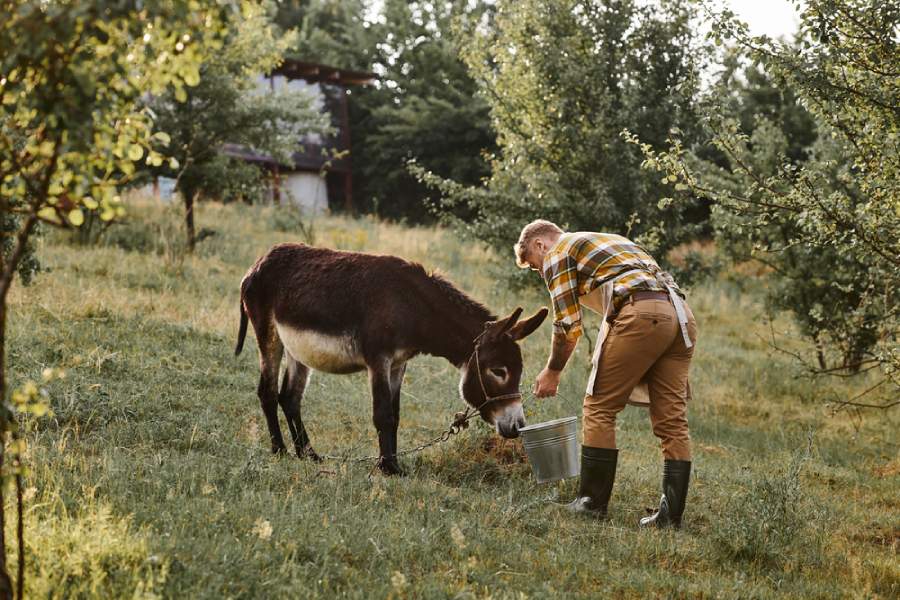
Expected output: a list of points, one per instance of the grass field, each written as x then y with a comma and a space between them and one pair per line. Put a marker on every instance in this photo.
153, 477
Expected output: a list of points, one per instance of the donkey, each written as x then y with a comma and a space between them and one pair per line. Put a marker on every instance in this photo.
342, 312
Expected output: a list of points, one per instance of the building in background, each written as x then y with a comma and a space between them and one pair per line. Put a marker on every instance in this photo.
321, 174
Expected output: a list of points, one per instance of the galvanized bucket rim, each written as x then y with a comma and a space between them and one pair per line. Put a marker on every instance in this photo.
547, 424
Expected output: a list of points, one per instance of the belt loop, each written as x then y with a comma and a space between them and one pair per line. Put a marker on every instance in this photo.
631, 299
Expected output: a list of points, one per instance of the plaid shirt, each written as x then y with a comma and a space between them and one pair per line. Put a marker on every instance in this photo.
583, 261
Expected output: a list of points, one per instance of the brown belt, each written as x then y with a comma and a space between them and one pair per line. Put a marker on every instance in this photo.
634, 297
647, 296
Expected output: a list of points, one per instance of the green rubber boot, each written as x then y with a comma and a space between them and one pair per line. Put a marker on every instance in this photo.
676, 475
598, 472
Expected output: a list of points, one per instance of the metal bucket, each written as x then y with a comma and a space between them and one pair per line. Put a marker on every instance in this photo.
552, 449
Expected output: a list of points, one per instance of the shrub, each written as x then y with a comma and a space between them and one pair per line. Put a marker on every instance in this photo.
769, 520
290, 218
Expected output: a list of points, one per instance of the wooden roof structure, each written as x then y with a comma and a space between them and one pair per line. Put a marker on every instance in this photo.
314, 157
314, 72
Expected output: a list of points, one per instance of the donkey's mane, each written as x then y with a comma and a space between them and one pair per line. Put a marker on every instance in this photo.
456, 296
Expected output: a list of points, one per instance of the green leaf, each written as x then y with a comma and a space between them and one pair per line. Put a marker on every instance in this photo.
76, 217
192, 77
162, 137
48, 213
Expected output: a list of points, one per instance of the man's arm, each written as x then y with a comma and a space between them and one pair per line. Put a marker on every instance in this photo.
561, 349
562, 283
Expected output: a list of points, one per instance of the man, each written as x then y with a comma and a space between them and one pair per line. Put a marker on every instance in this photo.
651, 339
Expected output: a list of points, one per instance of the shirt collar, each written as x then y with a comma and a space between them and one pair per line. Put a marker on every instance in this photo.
555, 249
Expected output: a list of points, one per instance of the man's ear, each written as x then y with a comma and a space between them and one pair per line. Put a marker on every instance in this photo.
525, 328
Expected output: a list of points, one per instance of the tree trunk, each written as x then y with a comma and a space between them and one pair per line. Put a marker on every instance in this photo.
820, 352
189, 194
8, 266
6, 590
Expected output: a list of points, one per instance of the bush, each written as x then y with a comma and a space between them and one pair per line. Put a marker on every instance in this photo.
769, 521
290, 219
805, 181
150, 231
694, 263
563, 79
90, 552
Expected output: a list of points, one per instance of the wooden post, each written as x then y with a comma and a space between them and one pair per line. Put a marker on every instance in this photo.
345, 145
276, 185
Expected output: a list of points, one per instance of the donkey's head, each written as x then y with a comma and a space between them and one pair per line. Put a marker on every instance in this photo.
490, 380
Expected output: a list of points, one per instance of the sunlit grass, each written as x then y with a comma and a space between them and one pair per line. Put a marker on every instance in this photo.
154, 478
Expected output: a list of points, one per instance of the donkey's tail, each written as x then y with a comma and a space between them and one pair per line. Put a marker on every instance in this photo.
242, 332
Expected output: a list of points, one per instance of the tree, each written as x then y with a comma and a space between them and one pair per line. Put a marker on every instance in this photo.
424, 105
331, 32
757, 95
562, 78
425, 108
227, 106
829, 225
781, 131
71, 133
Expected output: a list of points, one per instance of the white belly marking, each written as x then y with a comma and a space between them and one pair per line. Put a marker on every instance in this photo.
328, 353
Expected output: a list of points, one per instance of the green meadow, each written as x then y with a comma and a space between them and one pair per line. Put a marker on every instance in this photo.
152, 477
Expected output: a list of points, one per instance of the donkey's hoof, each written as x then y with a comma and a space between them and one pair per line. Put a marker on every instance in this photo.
308, 453
390, 467
279, 450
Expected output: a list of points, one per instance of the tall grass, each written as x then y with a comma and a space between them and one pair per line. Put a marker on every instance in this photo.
153, 476
769, 520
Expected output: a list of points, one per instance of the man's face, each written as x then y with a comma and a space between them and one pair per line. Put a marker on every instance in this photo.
537, 249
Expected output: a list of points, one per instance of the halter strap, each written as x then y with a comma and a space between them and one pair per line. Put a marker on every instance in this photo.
489, 398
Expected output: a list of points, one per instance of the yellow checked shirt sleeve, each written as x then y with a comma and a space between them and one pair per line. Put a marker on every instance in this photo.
561, 276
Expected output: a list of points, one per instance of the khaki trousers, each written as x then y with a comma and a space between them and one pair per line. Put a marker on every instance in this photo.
645, 342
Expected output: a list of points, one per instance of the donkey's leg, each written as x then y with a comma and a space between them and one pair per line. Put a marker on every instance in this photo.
397, 373
383, 416
292, 387
270, 352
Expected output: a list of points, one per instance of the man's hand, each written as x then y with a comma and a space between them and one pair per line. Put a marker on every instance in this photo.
547, 383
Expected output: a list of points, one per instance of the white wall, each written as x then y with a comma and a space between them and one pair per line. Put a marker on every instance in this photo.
166, 189
306, 190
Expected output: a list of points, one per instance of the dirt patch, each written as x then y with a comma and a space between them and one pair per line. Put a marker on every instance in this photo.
889, 469
249, 431
714, 449
885, 539
505, 452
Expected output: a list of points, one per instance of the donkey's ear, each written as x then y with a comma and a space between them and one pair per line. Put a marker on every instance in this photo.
497, 328
510, 321
527, 327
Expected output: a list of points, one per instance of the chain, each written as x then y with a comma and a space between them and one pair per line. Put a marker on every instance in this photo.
460, 422
460, 419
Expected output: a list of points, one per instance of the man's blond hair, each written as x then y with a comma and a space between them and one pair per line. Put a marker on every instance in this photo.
531, 232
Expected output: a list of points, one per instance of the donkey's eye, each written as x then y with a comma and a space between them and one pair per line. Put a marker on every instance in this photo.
499, 373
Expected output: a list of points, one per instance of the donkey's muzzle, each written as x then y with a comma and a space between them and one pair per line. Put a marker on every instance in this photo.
509, 420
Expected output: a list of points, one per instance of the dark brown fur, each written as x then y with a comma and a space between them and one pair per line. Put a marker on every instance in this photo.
388, 310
